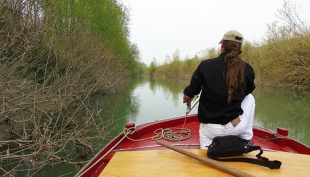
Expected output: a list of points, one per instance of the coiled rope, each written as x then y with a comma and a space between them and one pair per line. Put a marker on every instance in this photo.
171, 134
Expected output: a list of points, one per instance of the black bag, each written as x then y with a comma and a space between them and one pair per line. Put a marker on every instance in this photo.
232, 145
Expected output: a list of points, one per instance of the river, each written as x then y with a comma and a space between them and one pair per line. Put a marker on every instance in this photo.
152, 100
148, 100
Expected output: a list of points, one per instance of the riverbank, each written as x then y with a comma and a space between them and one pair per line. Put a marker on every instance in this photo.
51, 62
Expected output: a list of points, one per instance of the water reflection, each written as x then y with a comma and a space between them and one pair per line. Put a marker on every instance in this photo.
282, 108
173, 88
159, 99
116, 110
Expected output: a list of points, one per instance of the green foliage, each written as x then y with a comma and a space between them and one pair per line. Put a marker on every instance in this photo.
283, 60
183, 68
152, 67
106, 21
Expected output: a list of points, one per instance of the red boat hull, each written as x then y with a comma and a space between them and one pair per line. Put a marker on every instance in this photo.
264, 138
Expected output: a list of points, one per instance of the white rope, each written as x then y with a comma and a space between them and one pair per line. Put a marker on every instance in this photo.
171, 134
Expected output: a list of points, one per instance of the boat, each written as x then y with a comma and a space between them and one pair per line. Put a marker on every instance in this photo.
136, 152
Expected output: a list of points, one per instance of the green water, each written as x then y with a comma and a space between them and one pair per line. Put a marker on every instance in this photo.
281, 108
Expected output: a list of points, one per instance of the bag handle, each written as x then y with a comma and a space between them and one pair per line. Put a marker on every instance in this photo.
263, 161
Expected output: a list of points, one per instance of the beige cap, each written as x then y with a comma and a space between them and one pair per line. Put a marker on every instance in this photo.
233, 35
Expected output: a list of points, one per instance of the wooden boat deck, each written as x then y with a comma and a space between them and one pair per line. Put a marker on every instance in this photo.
154, 163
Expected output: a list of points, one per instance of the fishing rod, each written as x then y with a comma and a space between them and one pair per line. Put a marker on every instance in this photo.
189, 104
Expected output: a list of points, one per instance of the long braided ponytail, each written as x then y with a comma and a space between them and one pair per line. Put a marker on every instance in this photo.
234, 72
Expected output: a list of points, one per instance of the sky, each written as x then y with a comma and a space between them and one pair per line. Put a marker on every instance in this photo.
161, 27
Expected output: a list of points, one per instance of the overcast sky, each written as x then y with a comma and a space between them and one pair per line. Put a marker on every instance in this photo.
160, 27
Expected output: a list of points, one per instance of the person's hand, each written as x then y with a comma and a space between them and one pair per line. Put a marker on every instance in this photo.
186, 99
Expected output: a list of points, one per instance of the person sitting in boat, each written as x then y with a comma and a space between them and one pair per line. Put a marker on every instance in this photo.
226, 105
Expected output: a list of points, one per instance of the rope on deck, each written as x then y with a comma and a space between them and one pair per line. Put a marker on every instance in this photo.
171, 134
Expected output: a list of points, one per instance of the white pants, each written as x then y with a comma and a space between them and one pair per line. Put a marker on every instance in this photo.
208, 131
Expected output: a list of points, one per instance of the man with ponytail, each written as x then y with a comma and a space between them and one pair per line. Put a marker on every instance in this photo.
226, 105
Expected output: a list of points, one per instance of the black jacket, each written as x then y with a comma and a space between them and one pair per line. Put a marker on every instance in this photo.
213, 104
